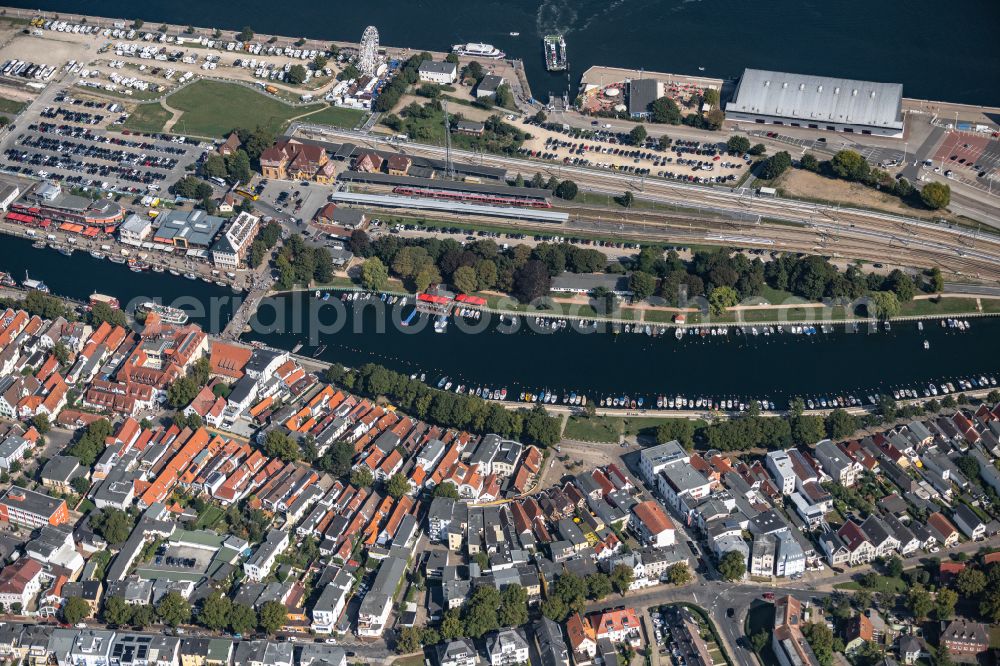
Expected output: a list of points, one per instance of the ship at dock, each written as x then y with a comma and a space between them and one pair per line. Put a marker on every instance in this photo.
166, 313
556, 59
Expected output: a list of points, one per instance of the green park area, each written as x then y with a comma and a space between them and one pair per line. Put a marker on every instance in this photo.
147, 118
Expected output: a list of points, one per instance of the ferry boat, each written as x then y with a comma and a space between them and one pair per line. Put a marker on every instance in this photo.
168, 314
555, 53
110, 301
478, 50
65, 251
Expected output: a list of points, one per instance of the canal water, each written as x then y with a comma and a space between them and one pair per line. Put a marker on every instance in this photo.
936, 52
602, 364
80, 275
494, 354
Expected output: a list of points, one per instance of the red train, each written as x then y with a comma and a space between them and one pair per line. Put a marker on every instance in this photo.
473, 197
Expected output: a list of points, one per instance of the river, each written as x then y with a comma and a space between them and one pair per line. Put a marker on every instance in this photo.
595, 364
937, 52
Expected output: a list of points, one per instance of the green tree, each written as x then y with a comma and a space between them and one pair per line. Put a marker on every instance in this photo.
809, 162
397, 485
681, 430
244, 35
969, 466
642, 285
775, 165
464, 279
679, 574
242, 619
374, 275
622, 577
280, 445
75, 610
757, 149
361, 477
214, 166
970, 582
409, 640
215, 611
451, 626
883, 305
936, 195
480, 614
919, 602
721, 298
116, 611
738, 144
273, 616
80, 485
732, 566
113, 524
598, 586
567, 190
894, 566
840, 424
850, 165
41, 423
637, 136
665, 110
513, 610
182, 392
238, 167
944, 603
296, 74
142, 616
102, 312
446, 489
173, 609
822, 641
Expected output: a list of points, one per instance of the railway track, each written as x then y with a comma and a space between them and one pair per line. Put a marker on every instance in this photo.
844, 231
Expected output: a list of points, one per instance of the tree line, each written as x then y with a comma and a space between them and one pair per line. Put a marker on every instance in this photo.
522, 271
450, 410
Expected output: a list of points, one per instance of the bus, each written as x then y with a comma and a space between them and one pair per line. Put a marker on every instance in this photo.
248, 195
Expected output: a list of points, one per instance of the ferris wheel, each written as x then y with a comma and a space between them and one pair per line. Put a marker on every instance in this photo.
368, 57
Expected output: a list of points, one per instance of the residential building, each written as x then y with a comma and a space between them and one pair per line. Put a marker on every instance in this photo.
551, 645
27, 508
260, 563
787, 641
836, 463
507, 647
230, 251
964, 638
651, 523
20, 582
966, 519
443, 73
459, 652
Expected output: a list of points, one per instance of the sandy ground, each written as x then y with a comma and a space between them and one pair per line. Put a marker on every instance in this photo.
799, 183
49, 49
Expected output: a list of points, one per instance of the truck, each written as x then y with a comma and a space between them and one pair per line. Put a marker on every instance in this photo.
271, 89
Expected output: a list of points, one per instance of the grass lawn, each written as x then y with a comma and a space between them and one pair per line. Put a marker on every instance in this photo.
147, 118
597, 429
210, 517
11, 106
659, 316
213, 108
337, 117
646, 427
938, 306
991, 304
886, 584
413, 660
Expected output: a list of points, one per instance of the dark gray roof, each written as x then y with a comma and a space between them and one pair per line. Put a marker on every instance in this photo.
440, 184
642, 93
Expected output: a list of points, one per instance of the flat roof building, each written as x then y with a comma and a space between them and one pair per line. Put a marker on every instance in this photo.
818, 102
187, 229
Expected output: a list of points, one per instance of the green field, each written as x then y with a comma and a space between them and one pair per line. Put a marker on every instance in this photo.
213, 108
597, 429
941, 306
147, 118
337, 117
10, 106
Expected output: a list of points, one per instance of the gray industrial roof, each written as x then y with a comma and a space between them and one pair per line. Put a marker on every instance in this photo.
389, 201
818, 99
196, 227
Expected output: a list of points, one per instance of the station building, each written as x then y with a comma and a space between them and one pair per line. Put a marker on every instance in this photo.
765, 97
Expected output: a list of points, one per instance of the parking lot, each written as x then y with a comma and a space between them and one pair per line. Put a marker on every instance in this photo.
68, 141
972, 155
690, 161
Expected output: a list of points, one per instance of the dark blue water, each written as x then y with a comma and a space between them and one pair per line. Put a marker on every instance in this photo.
776, 367
937, 51
80, 275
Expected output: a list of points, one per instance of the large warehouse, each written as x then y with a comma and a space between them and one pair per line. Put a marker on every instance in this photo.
818, 102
